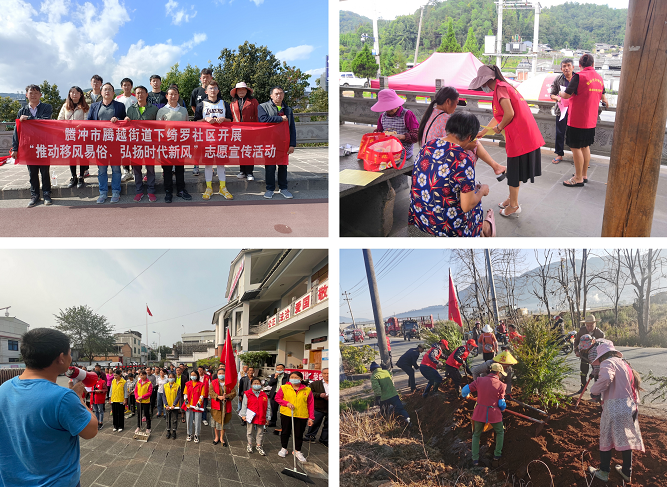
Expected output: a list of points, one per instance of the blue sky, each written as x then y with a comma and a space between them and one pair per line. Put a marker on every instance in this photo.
67, 41
411, 279
183, 288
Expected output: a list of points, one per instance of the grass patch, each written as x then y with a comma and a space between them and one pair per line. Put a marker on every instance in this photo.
346, 384
359, 405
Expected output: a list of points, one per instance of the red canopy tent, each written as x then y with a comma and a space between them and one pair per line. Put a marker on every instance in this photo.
457, 69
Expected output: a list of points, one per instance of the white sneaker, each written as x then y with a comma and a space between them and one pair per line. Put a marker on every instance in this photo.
189, 438
241, 175
260, 451
205, 423
114, 430
120, 429
248, 448
299, 456
282, 453
196, 439
250, 177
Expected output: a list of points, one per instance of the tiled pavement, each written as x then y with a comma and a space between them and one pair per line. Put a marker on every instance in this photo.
116, 460
308, 170
549, 209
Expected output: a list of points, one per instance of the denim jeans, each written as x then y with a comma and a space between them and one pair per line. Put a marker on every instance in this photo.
398, 406
270, 171
160, 403
103, 179
432, 375
190, 418
98, 409
205, 403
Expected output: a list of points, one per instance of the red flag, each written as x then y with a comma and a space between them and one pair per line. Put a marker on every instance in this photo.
148, 311
453, 306
227, 358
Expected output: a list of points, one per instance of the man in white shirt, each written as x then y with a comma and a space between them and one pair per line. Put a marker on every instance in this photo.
128, 99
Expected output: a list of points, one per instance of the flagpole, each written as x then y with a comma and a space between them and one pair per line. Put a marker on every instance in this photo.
146, 312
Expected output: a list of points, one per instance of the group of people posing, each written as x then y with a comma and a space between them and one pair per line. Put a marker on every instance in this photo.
446, 199
138, 103
615, 384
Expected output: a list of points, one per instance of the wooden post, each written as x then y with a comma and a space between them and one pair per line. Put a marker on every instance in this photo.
639, 129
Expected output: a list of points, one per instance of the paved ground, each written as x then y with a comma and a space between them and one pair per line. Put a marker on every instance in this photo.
642, 359
115, 459
549, 209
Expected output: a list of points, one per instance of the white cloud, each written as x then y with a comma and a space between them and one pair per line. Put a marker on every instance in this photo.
257, 2
178, 16
66, 43
294, 53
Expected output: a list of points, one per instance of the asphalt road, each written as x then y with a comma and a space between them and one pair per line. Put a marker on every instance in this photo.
642, 359
246, 216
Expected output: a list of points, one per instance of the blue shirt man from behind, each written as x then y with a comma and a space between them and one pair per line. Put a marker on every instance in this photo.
41, 422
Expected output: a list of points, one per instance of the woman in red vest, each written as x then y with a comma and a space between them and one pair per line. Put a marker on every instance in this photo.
98, 397
522, 136
255, 401
193, 404
220, 394
585, 91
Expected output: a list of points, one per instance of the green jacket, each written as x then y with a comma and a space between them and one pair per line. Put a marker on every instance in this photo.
383, 384
150, 113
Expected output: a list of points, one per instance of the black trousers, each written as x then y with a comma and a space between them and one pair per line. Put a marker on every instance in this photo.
270, 171
300, 425
153, 400
247, 169
411, 377
82, 170
34, 172
118, 415
132, 403
454, 374
584, 367
168, 180
172, 419
605, 461
274, 412
487, 356
320, 416
144, 410
561, 127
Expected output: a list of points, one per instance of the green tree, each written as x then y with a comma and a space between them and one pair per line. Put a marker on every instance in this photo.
88, 332
51, 95
364, 65
261, 70
207, 362
449, 42
318, 100
471, 43
254, 359
186, 80
8, 109
356, 358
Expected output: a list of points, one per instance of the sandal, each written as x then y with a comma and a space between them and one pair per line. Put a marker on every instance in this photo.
585, 179
556, 160
571, 183
517, 208
502, 205
491, 218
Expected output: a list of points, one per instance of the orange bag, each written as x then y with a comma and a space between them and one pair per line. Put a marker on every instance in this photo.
384, 154
367, 140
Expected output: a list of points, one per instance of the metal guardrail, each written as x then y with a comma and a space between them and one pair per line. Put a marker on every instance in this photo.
357, 109
9, 373
263, 326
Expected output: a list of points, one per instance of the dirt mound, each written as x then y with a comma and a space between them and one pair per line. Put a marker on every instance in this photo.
567, 445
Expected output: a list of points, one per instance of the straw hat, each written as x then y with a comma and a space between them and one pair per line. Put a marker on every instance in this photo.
496, 367
487, 329
505, 358
387, 100
484, 74
240, 85
589, 319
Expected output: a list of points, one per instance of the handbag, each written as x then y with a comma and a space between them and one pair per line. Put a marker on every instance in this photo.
367, 140
384, 154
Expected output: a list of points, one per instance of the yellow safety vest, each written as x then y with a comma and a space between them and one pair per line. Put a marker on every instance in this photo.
118, 391
171, 392
299, 399
142, 390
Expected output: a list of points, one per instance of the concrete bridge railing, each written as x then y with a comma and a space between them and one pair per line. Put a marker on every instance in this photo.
357, 109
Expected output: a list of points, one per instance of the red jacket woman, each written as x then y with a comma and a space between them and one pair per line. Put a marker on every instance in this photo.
99, 392
244, 109
193, 392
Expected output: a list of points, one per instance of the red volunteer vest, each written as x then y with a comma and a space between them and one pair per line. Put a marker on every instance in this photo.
193, 390
451, 361
583, 111
427, 359
258, 405
215, 404
522, 134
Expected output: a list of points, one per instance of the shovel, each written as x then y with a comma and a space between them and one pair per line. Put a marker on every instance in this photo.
294, 473
540, 423
543, 413
582, 393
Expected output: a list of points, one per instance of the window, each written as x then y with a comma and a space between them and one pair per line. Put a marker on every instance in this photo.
13, 345
13, 360
322, 274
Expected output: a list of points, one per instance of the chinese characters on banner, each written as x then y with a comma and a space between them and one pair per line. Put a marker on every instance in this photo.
151, 142
271, 322
302, 304
323, 292
307, 374
284, 315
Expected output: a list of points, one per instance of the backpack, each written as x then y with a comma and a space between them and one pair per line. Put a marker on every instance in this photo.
488, 347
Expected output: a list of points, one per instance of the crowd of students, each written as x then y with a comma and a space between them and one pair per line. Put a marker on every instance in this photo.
101, 103
205, 399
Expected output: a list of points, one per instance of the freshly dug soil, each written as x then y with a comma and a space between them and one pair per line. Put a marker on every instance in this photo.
567, 446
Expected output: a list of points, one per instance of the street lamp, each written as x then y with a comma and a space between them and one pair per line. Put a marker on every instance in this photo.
158, 344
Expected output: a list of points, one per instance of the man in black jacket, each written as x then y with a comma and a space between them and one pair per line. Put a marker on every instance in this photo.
35, 110
558, 85
244, 383
275, 111
277, 380
408, 362
320, 390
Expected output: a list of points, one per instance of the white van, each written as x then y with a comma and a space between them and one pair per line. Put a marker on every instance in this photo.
348, 78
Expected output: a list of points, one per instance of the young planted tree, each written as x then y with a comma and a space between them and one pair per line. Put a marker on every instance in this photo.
254, 359
471, 43
449, 42
88, 332
355, 359
447, 330
364, 65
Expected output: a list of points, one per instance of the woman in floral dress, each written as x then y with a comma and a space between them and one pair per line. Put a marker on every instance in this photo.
445, 200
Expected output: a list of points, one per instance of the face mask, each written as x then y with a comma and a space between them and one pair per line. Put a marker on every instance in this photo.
486, 89
295, 382
280, 372
172, 379
256, 387
193, 377
221, 376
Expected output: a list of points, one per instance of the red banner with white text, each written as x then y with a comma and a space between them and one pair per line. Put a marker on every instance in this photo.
151, 142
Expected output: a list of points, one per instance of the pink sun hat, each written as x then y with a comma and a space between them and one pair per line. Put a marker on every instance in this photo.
604, 346
387, 100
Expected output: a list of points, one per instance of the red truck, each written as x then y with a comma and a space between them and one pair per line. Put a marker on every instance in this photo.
407, 327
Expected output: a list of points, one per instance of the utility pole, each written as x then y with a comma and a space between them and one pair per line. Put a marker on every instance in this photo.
377, 310
499, 33
419, 32
348, 299
492, 285
376, 43
639, 129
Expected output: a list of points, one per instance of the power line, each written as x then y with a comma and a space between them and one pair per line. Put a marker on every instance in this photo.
131, 281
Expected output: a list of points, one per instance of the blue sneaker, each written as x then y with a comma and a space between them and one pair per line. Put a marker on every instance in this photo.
286, 194
268, 195
115, 196
102, 198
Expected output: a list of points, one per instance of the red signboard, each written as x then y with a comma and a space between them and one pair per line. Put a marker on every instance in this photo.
236, 279
151, 142
302, 304
307, 374
322, 292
